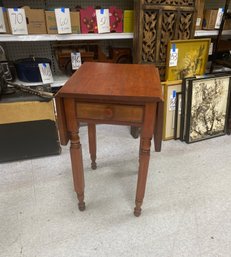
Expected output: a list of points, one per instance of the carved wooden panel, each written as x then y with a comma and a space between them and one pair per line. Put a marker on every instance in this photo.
149, 37
171, 2
156, 23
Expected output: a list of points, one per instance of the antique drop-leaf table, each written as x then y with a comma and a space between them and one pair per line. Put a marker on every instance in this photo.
106, 93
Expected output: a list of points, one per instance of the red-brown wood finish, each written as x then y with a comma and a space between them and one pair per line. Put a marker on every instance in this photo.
124, 94
92, 144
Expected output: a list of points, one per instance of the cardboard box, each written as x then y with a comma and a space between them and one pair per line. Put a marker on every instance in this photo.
116, 19
51, 22
75, 22
200, 13
88, 20
210, 17
128, 23
227, 24
6, 21
35, 18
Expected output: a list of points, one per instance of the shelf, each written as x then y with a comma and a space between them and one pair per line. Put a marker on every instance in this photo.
207, 33
58, 81
66, 37
106, 36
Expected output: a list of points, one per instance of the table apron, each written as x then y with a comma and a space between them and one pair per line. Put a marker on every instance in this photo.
110, 113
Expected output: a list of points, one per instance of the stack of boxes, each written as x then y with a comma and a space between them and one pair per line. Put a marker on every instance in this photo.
39, 21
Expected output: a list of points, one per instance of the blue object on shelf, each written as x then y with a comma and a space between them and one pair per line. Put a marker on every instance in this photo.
28, 70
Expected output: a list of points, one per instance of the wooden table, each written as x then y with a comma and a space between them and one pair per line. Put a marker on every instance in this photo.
106, 93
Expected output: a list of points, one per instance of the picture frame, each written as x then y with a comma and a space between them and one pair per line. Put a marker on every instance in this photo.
170, 89
184, 101
178, 114
207, 107
186, 58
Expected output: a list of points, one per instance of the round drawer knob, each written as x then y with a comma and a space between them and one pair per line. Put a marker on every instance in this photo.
108, 113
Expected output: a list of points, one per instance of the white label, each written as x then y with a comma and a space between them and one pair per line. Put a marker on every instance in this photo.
172, 101
173, 57
76, 60
102, 17
45, 72
211, 48
17, 21
198, 22
219, 18
2, 21
63, 20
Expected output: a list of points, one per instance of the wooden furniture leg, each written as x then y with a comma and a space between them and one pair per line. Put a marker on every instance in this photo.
92, 144
75, 152
158, 128
144, 155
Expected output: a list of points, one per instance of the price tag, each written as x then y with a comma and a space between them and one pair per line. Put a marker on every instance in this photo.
102, 17
198, 22
211, 48
2, 21
63, 20
219, 18
173, 56
172, 102
45, 72
17, 21
76, 60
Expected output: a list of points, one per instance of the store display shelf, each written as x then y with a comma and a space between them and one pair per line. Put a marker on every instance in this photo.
209, 33
59, 80
66, 37
93, 36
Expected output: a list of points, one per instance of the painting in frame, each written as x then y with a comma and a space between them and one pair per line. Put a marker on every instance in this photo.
171, 88
207, 107
186, 58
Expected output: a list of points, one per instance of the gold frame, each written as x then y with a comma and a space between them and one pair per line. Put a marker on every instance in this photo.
169, 116
192, 58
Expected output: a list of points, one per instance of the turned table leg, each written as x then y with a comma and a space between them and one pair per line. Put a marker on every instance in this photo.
144, 154
92, 144
75, 151
77, 168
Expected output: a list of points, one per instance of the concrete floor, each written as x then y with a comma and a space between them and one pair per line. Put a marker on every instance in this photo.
186, 211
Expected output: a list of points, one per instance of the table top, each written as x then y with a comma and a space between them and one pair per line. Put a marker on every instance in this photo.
136, 82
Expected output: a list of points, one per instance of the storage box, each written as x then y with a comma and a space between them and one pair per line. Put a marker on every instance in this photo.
51, 22
75, 22
88, 20
35, 18
116, 19
27, 128
200, 13
210, 17
128, 24
6, 21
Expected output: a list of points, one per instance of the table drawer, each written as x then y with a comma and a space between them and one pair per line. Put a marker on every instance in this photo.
113, 112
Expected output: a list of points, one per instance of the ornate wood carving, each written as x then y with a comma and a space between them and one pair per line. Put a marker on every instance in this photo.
171, 2
149, 37
157, 22
167, 33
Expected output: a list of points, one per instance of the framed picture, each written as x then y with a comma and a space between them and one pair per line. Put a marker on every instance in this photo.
184, 101
170, 91
207, 107
186, 58
178, 114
